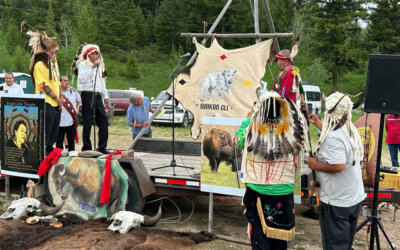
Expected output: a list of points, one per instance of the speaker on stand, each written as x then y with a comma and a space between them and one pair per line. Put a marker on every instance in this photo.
381, 96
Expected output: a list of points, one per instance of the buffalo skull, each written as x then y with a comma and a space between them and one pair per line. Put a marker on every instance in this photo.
123, 221
23, 206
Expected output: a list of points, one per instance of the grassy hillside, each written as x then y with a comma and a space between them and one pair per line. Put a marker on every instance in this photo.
153, 78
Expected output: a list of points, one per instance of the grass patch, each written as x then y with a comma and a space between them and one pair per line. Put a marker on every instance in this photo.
119, 127
224, 176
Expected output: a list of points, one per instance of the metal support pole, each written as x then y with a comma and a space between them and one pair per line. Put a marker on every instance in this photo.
7, 186
210, 211
256, 21
211, 30
239, 35
271, 25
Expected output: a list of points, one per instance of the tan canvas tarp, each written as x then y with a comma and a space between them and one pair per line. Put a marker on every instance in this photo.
222, 82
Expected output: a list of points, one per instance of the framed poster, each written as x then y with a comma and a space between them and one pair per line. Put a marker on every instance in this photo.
22, 134
225, 179
220, 158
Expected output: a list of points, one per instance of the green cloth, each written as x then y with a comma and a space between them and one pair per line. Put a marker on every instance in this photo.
241, 133
278, 189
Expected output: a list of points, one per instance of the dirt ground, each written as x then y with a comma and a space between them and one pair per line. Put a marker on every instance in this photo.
229, 225
190, 214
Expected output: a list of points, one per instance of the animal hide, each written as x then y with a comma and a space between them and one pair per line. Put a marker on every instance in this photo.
86, 234
221, 82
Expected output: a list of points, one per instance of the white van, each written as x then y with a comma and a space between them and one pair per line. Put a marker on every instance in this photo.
312, 95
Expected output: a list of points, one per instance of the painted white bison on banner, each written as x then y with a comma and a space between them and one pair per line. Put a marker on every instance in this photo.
220, 82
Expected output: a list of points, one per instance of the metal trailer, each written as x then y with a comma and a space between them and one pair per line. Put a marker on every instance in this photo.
156, 152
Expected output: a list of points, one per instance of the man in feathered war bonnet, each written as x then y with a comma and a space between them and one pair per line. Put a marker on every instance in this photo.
337, 165
44, 71
89, 66
274, 141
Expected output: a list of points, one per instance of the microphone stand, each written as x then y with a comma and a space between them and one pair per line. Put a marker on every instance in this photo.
173, 162
93, 109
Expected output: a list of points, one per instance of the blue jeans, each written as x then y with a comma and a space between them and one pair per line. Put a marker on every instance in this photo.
394, 151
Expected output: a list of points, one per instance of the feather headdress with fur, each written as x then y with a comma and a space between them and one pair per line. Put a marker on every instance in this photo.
39, 43
82, 56
277, 129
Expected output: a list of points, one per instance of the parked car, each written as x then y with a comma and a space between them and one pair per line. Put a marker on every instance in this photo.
183, 117
120, 99
109, 114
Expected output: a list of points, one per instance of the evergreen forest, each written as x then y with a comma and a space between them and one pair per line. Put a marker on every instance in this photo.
141, 43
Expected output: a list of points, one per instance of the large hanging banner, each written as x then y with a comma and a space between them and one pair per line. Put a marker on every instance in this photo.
221, 82
22, 134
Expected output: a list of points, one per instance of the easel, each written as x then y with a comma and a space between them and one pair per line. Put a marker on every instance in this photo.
257, 35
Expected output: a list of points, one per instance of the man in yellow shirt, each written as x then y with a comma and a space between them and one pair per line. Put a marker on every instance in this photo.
44, 71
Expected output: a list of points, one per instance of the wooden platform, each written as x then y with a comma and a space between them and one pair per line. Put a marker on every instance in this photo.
154, 160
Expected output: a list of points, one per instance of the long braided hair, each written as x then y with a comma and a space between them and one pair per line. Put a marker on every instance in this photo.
41, 57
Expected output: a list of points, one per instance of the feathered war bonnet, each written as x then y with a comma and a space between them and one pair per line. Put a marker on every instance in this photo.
40, 43
338, 108
82, 55
277, 129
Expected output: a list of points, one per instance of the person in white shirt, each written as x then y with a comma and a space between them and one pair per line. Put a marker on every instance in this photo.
337, 165
91, 83
10, 87
69, 118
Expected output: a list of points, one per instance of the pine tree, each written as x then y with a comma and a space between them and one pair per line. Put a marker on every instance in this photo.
118, 27
132, 66
65, 34
50, 21
384, 29
12, 37
332, 27
86, 29
21, 60
282, 12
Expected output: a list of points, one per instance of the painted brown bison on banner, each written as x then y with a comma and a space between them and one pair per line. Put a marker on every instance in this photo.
218, 146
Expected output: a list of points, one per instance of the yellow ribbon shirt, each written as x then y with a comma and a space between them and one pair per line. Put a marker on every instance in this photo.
41, 74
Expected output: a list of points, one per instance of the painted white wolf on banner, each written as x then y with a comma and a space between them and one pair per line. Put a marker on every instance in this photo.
219, 81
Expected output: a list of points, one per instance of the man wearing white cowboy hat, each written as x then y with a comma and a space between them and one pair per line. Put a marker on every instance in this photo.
92, 84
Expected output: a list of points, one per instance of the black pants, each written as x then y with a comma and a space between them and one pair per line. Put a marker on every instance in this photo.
257, 237
100, 117
52, 123
338, 226
70, 132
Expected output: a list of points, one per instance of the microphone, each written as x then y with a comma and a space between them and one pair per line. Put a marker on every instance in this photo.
185, 55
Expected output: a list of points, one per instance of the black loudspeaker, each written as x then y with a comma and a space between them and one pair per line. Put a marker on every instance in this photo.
383, 85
